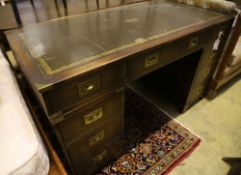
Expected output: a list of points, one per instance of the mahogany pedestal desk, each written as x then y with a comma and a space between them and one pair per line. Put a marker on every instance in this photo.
78, 67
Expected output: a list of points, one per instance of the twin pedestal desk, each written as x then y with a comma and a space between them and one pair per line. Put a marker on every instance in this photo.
78, 68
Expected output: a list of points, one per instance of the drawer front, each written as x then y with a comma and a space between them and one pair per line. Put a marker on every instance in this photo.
102, 133
92, 161
64, 95
148, 62
85, 119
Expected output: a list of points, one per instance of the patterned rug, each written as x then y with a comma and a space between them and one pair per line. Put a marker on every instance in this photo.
154, 143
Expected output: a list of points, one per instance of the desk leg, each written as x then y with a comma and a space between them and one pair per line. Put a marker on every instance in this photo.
16, 12
65, 5
31, 1
107, 3
97, 4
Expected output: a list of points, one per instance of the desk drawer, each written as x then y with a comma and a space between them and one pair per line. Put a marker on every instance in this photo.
102, 133
64, 95
148, 62
92, 161
84, 119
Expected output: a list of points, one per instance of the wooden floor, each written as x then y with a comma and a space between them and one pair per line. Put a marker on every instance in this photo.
44, 10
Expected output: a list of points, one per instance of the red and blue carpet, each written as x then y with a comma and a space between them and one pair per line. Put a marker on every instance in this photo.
154, 143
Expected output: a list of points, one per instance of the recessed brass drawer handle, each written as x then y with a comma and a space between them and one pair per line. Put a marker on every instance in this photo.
151, 60
93, 116
96, 138
193, 43
88, 86
99, 157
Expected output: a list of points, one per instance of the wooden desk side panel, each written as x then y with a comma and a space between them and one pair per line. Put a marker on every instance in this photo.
225, 53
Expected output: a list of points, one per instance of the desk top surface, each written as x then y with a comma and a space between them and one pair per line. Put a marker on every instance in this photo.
64, 48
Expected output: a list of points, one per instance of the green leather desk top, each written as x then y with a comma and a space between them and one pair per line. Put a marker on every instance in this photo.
77, 42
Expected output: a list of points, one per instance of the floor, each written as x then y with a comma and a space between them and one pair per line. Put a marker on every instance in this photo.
218, 123
44, 10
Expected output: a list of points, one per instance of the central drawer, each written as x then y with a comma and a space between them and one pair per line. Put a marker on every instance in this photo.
110, 129
83, 120
145, 63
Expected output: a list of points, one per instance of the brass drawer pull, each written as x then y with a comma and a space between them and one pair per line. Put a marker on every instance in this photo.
96, 138
151, 60
99, 157
193, 43
88, 86
93, 116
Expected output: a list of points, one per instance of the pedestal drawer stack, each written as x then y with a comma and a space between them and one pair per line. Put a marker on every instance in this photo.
88, 120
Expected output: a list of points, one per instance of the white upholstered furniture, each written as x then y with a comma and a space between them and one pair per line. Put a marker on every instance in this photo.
22, 151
